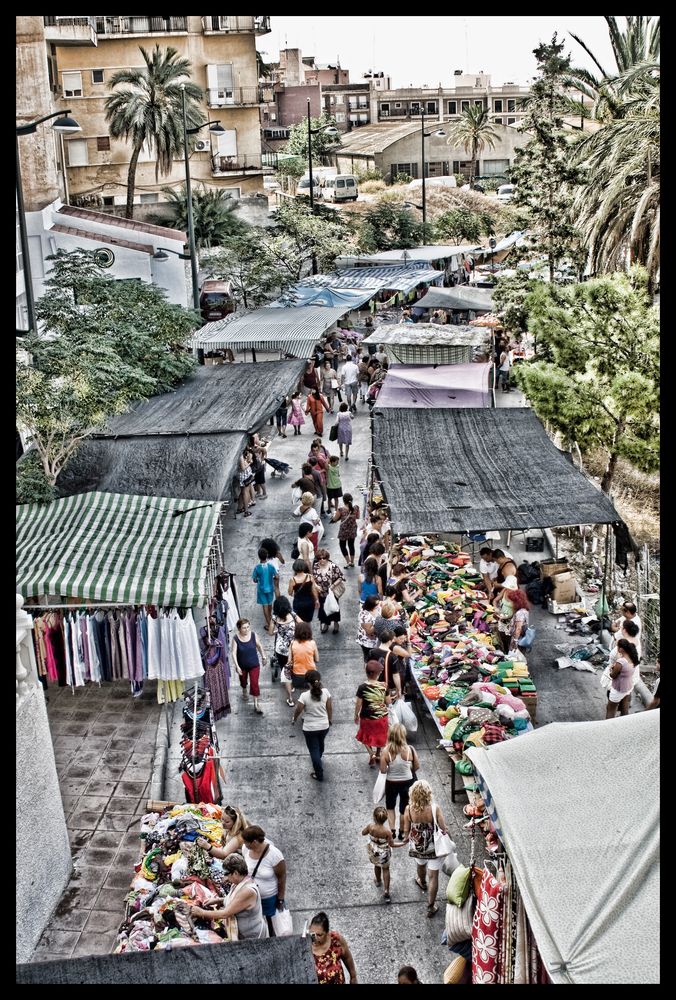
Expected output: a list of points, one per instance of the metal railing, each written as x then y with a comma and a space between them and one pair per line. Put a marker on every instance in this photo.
224, 98
228, 23
229, 164
140, 25
56, 22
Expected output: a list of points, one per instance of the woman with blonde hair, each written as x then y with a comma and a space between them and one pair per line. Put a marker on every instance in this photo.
234, 822
419, 821
400, 763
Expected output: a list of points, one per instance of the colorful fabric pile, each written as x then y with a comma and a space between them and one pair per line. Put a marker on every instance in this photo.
469, 686
172, 871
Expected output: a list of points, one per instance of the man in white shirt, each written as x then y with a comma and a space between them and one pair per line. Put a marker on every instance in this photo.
381, 354
488, 568
350, 381
506, 362
628, 614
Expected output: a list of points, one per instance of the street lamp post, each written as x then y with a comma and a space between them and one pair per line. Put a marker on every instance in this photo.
63, 125
492, 244
425, 135
329, 130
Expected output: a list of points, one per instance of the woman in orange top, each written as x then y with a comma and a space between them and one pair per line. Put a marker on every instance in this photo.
303, 656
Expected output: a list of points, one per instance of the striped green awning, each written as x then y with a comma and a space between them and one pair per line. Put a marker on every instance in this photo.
116, 549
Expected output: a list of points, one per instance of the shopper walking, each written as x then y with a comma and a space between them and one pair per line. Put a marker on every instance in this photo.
363, 378
328, 578
419, 820
296, 419
267, 868
344, 421
370, 711
327, 383
266, 578
281, 416
331, 952
284, 624
246, 481
317, 711
245, 650
370, 584
622, 678
315, 406
347, 514
379, 849
303, 590
350, 376
306, 550
306, 511
303, 656
400, 763
334, 487
366, 636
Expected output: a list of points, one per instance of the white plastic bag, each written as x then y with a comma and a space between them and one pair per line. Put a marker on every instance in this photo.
296, 494
379, 787
406, 715
605, 679
331, 605
282, 923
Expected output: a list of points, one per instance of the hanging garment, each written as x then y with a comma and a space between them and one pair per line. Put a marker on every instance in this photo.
215, 671
39, 645
98, 623
143, 615
486, 931
154, 670
76, 656
168, 691
114, 633
170, 668
208, 787
189, 658
70, 679
55, 650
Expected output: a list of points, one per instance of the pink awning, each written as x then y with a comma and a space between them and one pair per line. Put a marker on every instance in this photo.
446, 385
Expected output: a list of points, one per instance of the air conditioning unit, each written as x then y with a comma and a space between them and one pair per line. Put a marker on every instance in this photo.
202, 145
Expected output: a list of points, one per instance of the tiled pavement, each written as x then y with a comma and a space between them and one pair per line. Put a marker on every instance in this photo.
104, 742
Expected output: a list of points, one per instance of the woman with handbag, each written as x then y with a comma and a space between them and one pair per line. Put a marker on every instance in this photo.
267, 868
327, 577
242, 902
347, 514
400, 763
344, 436
370, 712
303, 590
424, 823
246, 481
284, 622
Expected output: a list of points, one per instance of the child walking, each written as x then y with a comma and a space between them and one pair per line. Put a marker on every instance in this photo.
296, 419
379, 848
266, 578
334, 486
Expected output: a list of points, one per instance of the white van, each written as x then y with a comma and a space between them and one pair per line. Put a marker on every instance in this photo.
506, 193
342, 187
303, 188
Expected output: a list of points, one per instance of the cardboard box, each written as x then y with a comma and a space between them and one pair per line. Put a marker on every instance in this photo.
565, 588
548, 567
531, 703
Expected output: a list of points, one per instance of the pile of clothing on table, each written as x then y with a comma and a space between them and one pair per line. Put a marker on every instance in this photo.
472, 688
173, 870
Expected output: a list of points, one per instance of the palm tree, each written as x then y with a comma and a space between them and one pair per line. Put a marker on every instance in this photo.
618, 209
473, 131
213, 217
638, 43
148, 112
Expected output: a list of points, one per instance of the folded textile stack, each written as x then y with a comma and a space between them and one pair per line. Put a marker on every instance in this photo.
172, 871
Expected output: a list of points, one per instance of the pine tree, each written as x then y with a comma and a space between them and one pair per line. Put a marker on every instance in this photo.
543, 173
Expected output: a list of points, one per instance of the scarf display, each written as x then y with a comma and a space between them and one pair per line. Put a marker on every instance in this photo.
198, 765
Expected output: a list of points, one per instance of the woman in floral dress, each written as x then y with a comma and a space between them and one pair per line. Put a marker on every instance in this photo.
326, 575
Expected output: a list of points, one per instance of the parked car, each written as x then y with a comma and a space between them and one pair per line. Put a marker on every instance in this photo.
448, 181
216, 300
303, 188
506, 193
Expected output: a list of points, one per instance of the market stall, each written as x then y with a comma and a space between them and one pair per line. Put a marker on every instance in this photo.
463, 299
291, 332
431, 344
115, 582
591, 905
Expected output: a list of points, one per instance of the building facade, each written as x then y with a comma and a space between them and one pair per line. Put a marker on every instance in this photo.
503, 101
85, 54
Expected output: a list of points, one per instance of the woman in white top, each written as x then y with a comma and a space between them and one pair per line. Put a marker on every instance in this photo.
317, 711
267, 867
399, 762
243, 902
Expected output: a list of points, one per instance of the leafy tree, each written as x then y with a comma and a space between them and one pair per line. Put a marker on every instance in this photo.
133, 317
461, 224
148, 112
212, 211
601, 388
389, 226
543, 171
242, 261
510, 297
474, 130
31, 482
322, 144
291, 166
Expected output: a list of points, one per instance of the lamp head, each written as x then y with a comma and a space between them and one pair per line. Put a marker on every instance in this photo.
65, 125
160, 255
216, 129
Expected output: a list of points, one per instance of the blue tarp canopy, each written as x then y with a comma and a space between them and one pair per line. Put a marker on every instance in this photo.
302, 295
401, 278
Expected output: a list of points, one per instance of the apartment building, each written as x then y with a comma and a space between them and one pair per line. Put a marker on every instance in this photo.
503, 101
86, 53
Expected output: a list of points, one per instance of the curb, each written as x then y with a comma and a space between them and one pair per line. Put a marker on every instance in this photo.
159, 767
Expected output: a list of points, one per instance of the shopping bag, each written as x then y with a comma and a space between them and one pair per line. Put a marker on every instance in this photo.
406, 715
331, 605
379, 787
527, 639
296, 494
605, 679
443, 844
282, 923
339, 588
333, 432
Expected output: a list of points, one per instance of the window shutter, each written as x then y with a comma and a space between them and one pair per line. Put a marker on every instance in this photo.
77, 152
227, 143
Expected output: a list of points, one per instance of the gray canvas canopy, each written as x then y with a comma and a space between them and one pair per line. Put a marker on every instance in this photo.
577, 809
460, 470
292, 331
461, 297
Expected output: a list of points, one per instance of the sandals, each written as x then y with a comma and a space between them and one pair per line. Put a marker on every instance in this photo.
372, 760
387, 897
421, 885
290, 702
247, 513
323, 629
431, 910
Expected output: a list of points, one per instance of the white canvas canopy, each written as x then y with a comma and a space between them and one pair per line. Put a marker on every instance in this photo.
577, 806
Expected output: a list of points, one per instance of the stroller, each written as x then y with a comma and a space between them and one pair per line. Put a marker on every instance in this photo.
280, 469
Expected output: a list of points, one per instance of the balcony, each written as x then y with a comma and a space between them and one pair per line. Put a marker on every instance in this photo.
237, 97
70, 30
217, 24
112, 27
229, 166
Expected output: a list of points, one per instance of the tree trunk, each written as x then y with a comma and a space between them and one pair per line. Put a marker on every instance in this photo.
131, 182
607, 479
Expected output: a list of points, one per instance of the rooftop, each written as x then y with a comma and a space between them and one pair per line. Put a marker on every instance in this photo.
97, 237
114, 220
